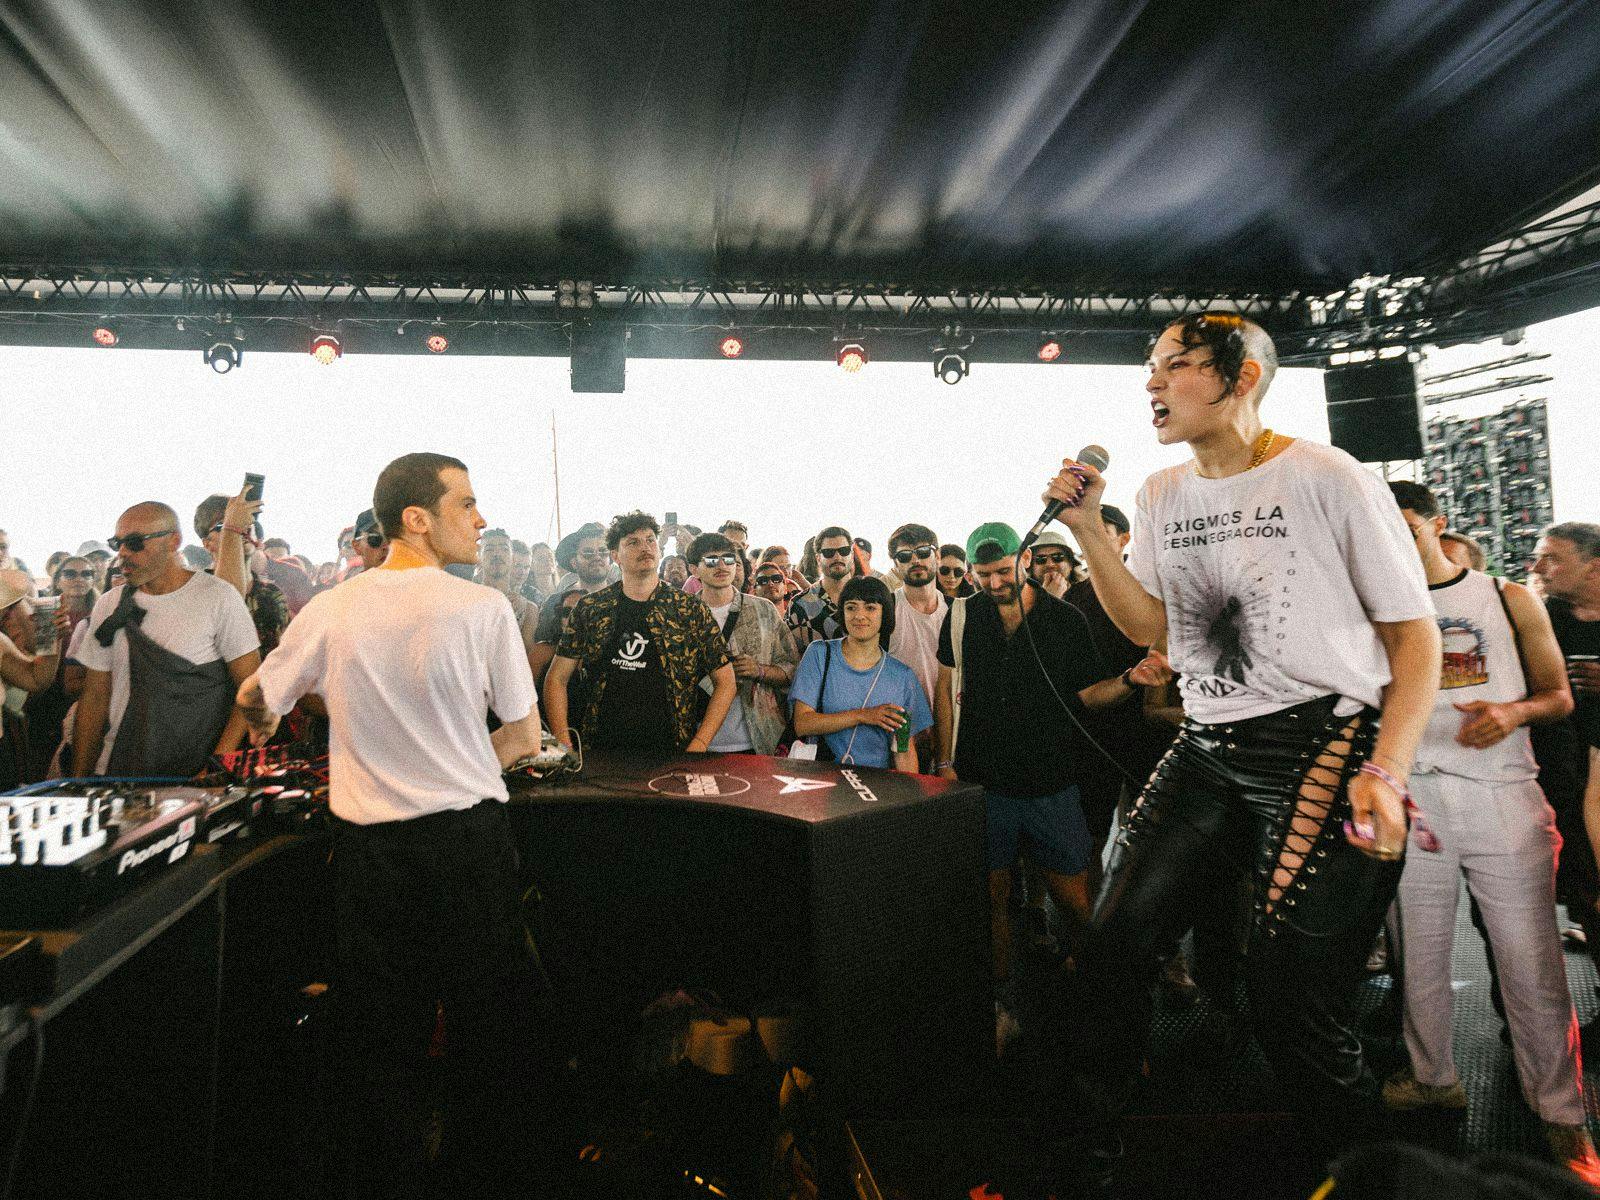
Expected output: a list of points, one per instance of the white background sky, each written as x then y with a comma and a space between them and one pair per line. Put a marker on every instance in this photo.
786, 447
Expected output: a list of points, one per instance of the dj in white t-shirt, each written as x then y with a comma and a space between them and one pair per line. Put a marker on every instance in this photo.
410, 661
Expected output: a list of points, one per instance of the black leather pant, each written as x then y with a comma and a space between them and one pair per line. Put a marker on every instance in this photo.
1266, 797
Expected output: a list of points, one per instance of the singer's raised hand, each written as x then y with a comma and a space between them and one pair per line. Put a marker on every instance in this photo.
1079, 487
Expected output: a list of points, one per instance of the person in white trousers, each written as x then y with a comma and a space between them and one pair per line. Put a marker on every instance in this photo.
1483, 818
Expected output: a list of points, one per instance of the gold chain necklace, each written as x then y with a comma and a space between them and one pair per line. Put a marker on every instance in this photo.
1263, 444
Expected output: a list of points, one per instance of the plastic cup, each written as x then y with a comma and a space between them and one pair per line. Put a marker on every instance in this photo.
44, 623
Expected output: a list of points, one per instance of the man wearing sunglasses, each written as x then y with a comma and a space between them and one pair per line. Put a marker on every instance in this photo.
760, 645
1054, 563
164, 654
370, 545
818, 606
919, 606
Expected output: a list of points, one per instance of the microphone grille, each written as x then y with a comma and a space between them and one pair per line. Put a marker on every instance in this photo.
1095, 456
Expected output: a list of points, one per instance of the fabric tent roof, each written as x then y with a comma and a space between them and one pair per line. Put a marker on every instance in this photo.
1086, 143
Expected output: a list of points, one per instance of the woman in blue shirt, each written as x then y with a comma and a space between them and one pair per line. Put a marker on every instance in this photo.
867, 692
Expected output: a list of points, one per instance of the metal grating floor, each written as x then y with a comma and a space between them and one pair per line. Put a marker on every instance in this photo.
1193, 1071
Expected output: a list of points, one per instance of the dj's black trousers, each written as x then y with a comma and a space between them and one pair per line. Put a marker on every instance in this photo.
429, 924
1228, 799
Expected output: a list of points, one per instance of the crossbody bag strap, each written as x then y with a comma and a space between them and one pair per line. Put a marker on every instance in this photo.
958, 628
1516, 636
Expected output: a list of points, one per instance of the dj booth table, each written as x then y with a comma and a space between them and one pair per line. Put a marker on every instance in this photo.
857, 897
178, 1063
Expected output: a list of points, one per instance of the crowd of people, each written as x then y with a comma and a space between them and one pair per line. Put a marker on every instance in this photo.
1355, 718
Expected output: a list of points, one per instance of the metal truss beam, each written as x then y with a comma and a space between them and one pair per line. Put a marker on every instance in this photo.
1550, 266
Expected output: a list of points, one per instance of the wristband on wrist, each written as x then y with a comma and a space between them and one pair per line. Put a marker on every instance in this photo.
1126, 682
1371, 768
943, 763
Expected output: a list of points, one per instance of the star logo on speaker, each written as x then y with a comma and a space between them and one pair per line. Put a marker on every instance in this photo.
792, 783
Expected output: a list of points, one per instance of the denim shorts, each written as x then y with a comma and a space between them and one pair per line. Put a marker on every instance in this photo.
1058, 836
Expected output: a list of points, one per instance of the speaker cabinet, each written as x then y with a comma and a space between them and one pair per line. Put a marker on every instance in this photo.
599, 358
1373, 410
870, 916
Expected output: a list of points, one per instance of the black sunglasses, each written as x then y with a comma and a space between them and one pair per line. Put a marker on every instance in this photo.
835, 552
136, 541
924, 552
1049, 558
373, 539
952, 572
719, 560
768, 580
85, 574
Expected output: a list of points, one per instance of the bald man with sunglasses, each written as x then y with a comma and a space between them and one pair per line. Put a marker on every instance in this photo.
164, 654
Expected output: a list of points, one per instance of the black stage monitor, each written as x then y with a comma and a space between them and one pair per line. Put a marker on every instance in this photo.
1373, 410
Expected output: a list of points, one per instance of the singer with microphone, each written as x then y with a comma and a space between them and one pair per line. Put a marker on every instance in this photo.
1292, 604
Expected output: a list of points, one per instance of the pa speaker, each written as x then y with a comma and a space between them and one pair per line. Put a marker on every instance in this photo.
1373, 410
855, 897
599, 358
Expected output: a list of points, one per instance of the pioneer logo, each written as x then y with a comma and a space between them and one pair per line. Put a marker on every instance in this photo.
862, 789
176, 841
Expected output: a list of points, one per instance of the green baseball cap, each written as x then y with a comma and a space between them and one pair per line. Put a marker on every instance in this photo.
991, 540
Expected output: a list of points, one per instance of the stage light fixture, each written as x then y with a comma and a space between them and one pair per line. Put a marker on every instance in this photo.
1049, 349
437, 341
104, 335
223, 357
585, 293
731, 346
325, 348
852, 356
950, 365
565, 297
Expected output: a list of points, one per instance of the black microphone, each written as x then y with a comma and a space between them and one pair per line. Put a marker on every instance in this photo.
1093, 456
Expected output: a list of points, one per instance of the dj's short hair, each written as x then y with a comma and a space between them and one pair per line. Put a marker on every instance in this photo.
410, 481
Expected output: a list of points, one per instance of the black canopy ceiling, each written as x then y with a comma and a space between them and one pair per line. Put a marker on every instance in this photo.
1080, 147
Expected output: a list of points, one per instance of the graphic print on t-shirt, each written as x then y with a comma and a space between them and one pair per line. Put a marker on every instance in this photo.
1229, 613
632, 655
1466, 660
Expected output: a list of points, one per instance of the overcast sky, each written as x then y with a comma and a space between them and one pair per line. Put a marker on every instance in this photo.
786, 447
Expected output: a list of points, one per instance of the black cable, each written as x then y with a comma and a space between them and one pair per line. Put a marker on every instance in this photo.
1026, 580
14, 1156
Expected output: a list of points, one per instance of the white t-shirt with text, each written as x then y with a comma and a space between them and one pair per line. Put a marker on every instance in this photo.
1272, 580
203, 621
409, 663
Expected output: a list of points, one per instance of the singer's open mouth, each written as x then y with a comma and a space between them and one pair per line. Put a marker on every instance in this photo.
1161, 414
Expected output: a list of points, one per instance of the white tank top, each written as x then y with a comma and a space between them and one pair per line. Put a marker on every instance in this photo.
1480, 663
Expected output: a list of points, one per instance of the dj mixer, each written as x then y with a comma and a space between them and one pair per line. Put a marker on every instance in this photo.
69, 845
